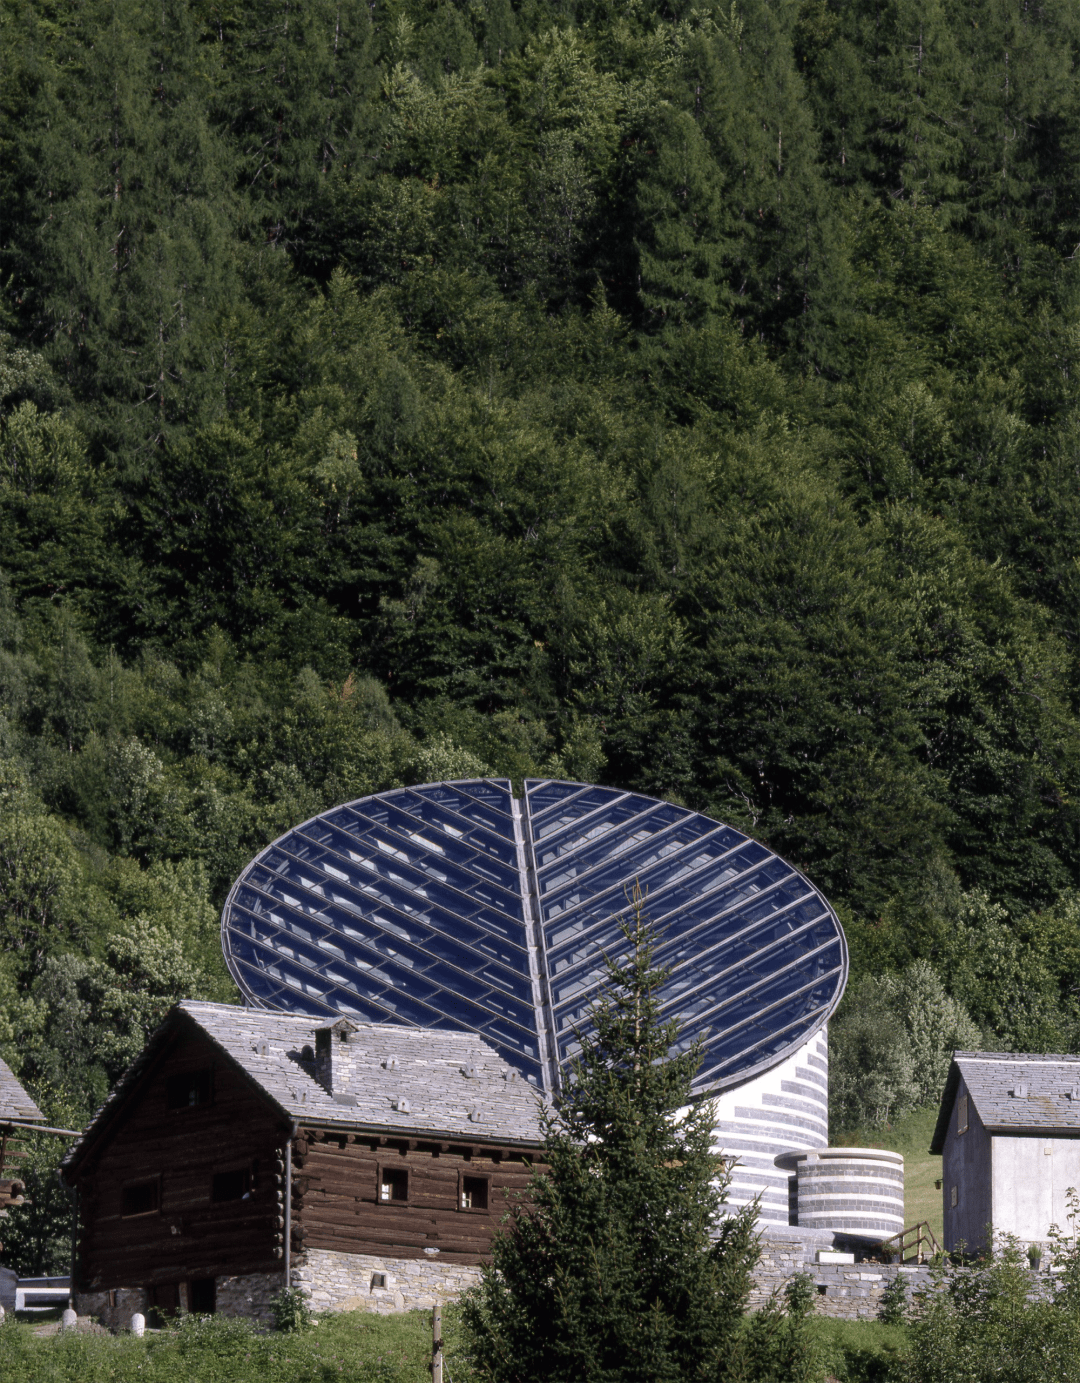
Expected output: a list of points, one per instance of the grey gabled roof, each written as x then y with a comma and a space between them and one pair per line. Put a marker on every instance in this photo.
1015, 1092
15, 1103
402, 1081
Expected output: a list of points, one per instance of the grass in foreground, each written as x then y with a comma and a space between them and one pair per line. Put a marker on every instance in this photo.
350, 1348
354, 1347
860, 1351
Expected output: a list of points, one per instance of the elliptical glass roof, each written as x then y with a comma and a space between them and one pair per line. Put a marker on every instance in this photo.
454, 905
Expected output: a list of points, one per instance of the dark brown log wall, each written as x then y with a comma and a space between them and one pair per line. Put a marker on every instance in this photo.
189, 1236
336, 1206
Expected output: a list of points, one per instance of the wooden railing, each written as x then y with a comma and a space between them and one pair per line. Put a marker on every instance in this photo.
916, 1237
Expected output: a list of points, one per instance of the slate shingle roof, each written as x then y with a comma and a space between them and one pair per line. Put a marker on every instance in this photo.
1050, 1102
15, 1103
404, 1081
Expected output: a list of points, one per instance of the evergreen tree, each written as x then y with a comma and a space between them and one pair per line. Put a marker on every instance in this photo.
621, 1268
297, 99
123, 258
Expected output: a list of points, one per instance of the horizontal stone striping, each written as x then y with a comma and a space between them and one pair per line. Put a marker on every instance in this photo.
808, 1092
863, 1168
782, 1121
790, 1102
835, 1186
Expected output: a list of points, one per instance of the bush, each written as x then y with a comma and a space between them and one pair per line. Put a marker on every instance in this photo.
983, 1325
894, 1302
779, 1343
291, 1310
861, 1351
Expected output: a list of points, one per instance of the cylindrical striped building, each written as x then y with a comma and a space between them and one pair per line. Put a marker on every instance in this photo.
856, 1191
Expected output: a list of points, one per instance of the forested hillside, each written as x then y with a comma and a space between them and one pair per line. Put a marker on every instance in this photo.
682, 397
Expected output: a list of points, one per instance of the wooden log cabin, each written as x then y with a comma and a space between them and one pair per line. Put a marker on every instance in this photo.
366, 1164
18, 1115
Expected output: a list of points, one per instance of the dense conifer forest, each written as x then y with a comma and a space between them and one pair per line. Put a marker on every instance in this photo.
682, 397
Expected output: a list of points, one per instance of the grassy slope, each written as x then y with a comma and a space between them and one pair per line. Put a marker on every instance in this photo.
910, 1136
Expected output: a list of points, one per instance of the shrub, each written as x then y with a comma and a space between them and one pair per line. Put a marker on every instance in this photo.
291, 1310
984, 1325
894, 1302
779, 1346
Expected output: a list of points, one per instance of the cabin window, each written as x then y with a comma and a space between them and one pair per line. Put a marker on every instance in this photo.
202, 1296
953, 1197
188, 1089
962, 1115
474, 1193
393, 1184
144, 1198
231, 1186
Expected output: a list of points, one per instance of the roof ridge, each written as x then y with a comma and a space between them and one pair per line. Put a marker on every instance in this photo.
1032, 1058
316, 1020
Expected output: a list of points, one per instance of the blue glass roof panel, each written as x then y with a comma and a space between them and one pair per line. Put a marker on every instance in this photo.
445, 906
545, 794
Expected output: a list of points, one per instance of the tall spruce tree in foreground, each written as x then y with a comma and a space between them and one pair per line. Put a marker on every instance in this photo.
613, 1271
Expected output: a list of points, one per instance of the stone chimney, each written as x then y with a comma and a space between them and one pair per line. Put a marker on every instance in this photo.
334, 1057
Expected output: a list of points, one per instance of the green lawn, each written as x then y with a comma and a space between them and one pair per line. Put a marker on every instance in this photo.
910, 1136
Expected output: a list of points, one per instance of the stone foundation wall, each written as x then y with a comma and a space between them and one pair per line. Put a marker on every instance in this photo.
249, 1295
114, 1309
368, 1282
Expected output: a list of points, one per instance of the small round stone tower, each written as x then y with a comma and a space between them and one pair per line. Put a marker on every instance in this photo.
849, 1190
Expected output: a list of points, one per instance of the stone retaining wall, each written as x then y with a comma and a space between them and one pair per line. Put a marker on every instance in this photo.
852, 1291
246, 1295
367, 1282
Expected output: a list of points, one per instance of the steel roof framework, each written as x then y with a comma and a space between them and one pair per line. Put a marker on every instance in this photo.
455, 905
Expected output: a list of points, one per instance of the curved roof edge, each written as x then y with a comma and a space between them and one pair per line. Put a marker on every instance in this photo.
503, 785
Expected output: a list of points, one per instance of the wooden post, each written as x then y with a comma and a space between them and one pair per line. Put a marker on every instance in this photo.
74, 1246
436, 1344
287, 1255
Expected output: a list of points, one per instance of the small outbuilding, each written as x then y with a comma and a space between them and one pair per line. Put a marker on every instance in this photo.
365, 1164
1008, 1132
